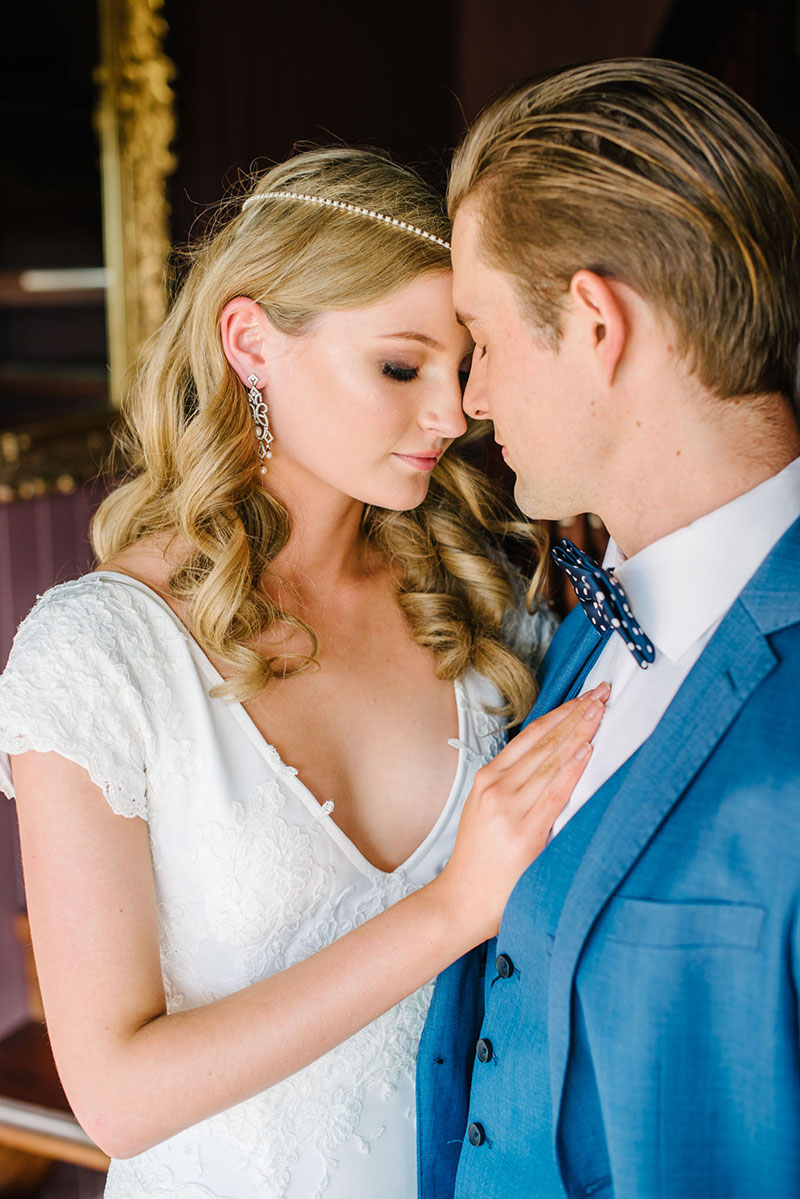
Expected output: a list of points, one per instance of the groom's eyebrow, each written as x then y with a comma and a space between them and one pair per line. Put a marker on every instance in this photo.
409, 336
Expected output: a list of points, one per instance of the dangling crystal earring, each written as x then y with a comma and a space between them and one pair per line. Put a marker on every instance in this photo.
259, 409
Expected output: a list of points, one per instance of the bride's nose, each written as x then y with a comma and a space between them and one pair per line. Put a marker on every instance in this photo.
444, 413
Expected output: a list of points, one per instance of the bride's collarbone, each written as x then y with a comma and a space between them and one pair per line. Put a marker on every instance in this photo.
350, 701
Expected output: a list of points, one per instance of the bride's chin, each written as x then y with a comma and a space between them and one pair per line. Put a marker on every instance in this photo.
402, 500
395, 495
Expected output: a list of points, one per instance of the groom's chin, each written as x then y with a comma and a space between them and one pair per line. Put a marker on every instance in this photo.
537, 506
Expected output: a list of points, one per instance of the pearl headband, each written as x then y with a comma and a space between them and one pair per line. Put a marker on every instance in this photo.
354, 208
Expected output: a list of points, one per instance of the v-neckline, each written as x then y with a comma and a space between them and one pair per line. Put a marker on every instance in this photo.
289, 774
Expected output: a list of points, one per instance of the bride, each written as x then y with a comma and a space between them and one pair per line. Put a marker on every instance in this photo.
291, 673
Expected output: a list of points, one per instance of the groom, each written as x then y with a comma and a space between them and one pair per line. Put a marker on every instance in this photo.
626, 252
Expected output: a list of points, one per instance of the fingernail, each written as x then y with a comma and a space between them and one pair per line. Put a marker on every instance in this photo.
593, 711
602, 691
584, 751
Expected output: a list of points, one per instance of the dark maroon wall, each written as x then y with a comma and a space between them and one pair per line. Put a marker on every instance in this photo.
257, 76
502, 43
271, 73
42, 541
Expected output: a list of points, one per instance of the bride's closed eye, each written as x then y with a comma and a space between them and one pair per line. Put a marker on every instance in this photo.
403, 374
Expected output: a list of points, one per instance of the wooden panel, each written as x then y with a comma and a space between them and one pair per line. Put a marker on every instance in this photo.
52, 1148
21, 1173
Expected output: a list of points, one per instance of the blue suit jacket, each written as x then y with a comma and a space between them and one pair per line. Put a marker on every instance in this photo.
672, 1010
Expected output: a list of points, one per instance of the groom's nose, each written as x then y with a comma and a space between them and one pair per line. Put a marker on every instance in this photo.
474, 398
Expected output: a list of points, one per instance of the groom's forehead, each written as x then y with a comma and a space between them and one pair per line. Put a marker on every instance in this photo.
476, 284
465, 235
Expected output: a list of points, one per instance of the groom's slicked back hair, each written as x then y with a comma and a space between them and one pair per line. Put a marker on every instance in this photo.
655, 174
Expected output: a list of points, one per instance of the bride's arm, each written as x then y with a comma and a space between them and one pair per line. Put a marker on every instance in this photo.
135, 1075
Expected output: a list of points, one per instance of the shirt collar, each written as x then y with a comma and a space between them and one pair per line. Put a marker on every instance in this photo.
682, 585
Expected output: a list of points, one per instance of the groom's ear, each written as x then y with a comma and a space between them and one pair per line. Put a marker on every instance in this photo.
604, 318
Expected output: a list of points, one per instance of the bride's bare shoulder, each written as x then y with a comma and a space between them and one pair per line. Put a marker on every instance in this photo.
151, 560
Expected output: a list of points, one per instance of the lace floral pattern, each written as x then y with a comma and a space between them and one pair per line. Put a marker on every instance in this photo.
85, 678
262, 880
274, 903
318, 1109
147, 1176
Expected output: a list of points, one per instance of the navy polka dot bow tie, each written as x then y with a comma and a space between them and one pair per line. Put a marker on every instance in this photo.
603, 599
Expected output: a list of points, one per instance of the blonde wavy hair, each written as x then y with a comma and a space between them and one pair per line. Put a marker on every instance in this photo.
188, 440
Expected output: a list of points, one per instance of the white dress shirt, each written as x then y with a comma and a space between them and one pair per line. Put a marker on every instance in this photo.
680, 587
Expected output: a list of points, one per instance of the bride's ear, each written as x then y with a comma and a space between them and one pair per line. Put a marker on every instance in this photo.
245, 334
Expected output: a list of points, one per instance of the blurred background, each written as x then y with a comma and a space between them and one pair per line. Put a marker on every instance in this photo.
123, 123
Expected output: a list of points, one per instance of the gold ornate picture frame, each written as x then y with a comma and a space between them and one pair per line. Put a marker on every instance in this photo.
136, 125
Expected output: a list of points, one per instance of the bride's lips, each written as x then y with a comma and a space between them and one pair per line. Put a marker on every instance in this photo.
420, 461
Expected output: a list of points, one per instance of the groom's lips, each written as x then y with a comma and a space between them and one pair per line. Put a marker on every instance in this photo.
503, 451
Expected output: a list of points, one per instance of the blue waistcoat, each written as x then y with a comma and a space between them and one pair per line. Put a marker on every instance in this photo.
644, 1044
510, 1114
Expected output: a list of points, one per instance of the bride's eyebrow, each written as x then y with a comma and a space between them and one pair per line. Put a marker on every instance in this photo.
465, 319
409, 336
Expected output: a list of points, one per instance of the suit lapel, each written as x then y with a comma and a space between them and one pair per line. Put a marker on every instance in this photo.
736, 660
564, 669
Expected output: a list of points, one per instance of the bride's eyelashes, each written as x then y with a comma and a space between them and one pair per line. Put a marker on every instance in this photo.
405, 374
402, 374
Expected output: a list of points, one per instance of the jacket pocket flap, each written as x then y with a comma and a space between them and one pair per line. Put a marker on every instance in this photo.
683, 925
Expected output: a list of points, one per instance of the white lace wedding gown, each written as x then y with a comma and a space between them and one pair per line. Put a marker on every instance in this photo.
252, 874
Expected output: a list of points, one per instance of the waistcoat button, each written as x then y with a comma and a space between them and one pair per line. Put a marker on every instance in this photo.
505, 967
476, 1134
484, 1050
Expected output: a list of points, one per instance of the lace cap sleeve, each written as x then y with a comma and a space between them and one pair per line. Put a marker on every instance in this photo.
71, 686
